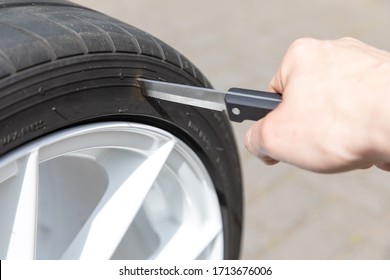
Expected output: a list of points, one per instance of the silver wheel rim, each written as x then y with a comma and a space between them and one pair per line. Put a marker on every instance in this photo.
108, 191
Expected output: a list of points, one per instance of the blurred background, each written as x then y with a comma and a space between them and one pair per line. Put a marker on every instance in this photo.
289, 213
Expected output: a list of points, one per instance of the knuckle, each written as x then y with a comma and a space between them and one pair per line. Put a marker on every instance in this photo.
350, 39
301, 45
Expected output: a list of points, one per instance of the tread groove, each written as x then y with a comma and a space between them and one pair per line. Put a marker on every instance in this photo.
159, 47
180, 60
103, 32
43, 40
193, 71
77, 35
132, 37
10, 65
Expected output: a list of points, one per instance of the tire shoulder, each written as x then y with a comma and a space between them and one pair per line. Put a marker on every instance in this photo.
42, 34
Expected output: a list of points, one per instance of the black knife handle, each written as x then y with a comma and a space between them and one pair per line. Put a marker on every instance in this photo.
245, 104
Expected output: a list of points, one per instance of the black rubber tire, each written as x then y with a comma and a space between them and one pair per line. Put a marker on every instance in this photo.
63, 65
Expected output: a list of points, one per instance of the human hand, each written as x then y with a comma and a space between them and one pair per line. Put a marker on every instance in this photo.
335, 113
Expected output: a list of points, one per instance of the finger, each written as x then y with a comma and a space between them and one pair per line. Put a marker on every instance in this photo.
384, 166
253, 143
297, 50
276, 83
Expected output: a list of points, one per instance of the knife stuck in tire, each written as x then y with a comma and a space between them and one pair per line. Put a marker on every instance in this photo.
240, 104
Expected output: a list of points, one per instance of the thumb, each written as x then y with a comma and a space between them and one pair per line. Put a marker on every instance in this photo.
254, 143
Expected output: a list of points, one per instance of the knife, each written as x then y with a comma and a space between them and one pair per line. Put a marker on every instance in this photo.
240, 104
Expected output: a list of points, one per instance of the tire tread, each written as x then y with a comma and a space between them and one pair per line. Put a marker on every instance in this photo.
56, 30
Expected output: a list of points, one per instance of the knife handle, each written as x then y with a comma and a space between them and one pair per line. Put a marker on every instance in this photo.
246, 104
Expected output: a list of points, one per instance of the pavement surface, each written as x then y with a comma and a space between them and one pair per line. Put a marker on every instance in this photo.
289, 213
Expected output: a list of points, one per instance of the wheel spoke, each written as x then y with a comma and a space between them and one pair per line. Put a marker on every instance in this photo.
102, 233
24, 231
179, 245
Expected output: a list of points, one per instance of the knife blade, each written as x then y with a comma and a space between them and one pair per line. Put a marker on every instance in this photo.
240, 104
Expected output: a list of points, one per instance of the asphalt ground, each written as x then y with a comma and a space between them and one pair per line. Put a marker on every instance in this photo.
289, 213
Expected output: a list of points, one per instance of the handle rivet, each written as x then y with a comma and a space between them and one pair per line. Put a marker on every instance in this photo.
236, 111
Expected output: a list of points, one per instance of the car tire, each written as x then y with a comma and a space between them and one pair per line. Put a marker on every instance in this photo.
68, 87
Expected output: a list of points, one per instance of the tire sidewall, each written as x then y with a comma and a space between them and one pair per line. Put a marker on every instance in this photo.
103, 87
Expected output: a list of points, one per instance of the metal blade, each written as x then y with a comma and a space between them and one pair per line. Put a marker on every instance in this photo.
194, 96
